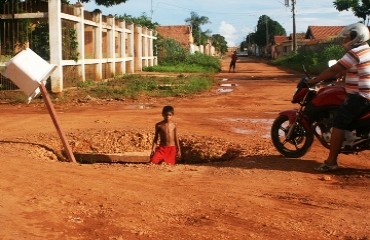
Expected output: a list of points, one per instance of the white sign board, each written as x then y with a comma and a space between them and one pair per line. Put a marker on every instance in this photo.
28, 70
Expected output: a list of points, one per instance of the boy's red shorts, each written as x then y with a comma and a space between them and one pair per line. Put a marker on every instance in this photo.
165, 154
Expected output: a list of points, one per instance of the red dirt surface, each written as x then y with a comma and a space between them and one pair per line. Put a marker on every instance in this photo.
253, 193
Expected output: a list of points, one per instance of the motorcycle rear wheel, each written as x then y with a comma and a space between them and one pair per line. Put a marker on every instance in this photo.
298, 144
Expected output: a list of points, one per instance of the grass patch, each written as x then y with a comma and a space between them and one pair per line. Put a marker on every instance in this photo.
5, 58
181, 68
133, 86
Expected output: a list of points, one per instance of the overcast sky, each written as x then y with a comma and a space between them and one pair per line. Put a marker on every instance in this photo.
234, 19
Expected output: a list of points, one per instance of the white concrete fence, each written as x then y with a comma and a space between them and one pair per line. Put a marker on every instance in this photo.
107, 47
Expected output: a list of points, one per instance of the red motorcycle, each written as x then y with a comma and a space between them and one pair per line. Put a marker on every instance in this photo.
293, 131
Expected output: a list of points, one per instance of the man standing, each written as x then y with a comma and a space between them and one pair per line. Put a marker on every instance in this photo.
233, 61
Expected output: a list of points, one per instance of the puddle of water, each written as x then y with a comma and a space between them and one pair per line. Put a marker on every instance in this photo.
264, 131
250, 120
242, 131
139, 106
234, 119
223, 90
261, 120
228, 85
266, 136
275, 113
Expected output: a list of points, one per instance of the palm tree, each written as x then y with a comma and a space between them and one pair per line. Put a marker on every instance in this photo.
195, 22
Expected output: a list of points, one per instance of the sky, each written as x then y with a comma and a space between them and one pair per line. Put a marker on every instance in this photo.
233, 19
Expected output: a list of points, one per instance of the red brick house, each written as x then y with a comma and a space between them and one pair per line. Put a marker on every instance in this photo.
283, 45
181, 33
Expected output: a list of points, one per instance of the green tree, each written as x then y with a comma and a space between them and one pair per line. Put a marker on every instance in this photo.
266, 30
106, 3
249, 40
360, 8
219, 43
196, 21
143, 20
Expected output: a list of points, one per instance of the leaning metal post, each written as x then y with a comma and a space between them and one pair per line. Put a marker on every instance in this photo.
51, 110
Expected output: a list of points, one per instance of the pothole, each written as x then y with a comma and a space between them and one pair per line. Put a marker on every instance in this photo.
127, 157
133, 146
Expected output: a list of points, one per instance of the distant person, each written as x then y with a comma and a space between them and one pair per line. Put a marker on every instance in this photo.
234, 58
166, 132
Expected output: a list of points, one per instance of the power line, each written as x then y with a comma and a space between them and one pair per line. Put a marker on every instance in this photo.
213, 12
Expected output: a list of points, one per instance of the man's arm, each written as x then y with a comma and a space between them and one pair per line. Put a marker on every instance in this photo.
331, 72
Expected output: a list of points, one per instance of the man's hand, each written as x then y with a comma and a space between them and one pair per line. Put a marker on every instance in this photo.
311, 82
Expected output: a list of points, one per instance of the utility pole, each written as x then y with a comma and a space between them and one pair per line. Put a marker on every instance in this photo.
294, 27
151, 9
267, 35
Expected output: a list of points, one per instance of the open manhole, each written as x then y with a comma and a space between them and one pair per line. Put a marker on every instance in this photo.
122, 146
127, 157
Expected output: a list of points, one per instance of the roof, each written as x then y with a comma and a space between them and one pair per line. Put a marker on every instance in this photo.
323, 32
298, 36
280, 39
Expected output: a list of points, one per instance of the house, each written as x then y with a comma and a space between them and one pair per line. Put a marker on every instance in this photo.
283, 45
322, 33
181, 33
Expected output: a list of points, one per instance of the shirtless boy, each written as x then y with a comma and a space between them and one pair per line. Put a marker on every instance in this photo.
166, 132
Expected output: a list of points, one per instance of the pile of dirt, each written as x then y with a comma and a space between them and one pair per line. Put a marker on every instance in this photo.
200, 149
110, 141
194, 148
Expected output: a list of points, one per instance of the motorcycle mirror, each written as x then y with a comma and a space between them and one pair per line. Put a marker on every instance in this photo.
305, 71
332, 62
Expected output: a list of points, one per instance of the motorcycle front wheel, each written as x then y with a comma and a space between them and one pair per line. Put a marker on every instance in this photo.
299, 142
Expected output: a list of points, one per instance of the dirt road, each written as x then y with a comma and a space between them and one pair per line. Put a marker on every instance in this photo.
253, 194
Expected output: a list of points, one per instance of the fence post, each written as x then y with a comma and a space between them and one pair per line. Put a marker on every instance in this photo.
151, 54
55, 44
123, 46
99, 45
131, 48
111, 46
138, 49
145, 48
81, 40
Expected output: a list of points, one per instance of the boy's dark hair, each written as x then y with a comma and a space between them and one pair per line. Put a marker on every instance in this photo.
167, 109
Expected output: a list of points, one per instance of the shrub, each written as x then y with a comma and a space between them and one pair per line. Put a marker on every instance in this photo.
206, 61
315, 61
170, 52
172, 57
132, 86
